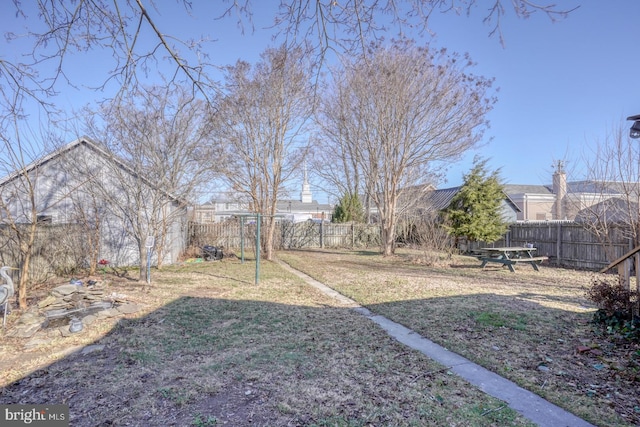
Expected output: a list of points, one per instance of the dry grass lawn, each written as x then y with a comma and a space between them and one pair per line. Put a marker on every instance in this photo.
531, 327
211, 348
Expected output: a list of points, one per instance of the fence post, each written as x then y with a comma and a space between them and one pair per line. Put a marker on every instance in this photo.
242, 239
636, 306
559, 244
258, 243
353, 235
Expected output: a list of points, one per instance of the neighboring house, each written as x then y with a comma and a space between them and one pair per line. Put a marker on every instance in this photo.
228, 205
64, 193
297, 210
220, 208
535, 202
438, 200
563, 200
615, 210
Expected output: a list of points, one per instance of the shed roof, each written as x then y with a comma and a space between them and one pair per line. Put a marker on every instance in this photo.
94, 146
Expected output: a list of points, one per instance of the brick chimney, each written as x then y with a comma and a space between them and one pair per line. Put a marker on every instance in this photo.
560, 190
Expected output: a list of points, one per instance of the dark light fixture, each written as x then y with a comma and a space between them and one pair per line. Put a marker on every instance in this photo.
634, 132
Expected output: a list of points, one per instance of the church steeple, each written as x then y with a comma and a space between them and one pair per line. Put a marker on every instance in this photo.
305, 195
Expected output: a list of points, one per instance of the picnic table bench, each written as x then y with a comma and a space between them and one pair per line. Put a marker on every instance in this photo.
510, 256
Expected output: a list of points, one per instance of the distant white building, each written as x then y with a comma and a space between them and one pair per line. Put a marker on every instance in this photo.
305, 208
226, 205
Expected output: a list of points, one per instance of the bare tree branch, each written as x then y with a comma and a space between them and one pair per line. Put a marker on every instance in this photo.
397, 116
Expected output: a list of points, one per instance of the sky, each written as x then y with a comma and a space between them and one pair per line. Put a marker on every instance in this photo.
563, 86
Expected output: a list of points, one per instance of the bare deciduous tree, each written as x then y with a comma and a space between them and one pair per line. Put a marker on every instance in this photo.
162, 135
610, 197
128, 33
400, 113
261, 123
21, 199
349, 26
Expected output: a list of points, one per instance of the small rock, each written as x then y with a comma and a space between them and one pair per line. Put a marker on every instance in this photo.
112, 312
118, 297
583, 349
27, 329
87, 320
47, 301
65, 290
543, 368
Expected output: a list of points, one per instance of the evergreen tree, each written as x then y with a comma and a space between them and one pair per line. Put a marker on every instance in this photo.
475, 211
348, 209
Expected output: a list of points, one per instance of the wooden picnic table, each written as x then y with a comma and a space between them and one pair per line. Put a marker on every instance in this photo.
510, 256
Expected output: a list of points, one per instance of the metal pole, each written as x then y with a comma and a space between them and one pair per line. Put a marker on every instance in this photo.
242, 240
149, 244
258, 220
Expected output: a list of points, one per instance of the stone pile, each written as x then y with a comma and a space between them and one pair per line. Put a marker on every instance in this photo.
74, 297
71, 303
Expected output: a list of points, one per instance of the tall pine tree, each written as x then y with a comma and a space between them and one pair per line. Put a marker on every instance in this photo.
475, 211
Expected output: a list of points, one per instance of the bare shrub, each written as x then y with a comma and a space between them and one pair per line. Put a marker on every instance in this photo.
427, 233
612, 297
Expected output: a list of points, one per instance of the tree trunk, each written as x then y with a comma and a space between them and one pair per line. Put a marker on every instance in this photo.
22, 284
26, 250
271, 229
388, 239
142, 249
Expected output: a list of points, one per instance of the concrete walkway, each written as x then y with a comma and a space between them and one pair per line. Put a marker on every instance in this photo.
529, 404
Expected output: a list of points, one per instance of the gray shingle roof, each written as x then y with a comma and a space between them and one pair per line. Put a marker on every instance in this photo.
441, 199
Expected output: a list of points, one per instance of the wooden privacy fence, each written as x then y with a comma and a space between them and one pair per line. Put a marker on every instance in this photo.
58, 249
569, 244
566, 243
308, 234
